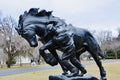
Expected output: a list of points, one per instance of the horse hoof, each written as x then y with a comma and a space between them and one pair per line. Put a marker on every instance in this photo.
72, 75
64, 73
83, 73
103, 78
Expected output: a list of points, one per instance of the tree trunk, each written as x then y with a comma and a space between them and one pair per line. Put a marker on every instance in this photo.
9, 62
116, 56
20, 62
1, 65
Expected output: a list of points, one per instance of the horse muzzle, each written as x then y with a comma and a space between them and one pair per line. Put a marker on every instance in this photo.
33, 44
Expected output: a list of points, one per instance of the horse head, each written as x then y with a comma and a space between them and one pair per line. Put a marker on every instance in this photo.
31, 23
27, 31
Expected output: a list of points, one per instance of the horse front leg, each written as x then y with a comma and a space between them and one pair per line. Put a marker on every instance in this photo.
99, 64
65, 70
42, 50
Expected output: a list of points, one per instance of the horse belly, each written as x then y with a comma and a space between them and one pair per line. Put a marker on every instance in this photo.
78, 41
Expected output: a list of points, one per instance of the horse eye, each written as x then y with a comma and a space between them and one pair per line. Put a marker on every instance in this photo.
25, 35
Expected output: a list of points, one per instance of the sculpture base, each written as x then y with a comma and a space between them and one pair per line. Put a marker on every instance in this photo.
62, 77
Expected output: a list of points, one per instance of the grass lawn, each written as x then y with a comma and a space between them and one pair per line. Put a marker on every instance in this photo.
23, 66
112, 69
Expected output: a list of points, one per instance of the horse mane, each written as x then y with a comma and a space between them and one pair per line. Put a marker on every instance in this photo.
21, 19
44, 13
32, 12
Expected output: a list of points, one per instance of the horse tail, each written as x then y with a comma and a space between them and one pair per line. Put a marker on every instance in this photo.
93, 45
102, 54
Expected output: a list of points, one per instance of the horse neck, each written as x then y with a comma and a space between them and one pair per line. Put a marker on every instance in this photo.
41, 31
39, 24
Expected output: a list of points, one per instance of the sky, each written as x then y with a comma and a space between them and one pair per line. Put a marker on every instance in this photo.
88, 14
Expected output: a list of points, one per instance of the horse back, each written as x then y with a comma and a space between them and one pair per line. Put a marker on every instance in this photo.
82, 36
79, 37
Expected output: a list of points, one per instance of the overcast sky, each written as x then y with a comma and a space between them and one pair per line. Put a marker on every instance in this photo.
93, 14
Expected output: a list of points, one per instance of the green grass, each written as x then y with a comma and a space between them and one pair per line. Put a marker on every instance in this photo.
112, 69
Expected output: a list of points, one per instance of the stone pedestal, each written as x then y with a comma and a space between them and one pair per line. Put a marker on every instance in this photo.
62, 77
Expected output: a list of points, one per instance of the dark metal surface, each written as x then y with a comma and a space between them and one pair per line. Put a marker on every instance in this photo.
55, 34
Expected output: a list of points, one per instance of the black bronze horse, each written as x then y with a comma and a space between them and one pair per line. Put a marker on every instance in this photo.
55, 34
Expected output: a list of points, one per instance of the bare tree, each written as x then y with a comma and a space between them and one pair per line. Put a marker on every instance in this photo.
21, 48
12, 44
103, 36
112, 43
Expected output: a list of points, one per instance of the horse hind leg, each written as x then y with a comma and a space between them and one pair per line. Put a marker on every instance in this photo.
78, 64
74, 71
99, 64
65, 70
101, 53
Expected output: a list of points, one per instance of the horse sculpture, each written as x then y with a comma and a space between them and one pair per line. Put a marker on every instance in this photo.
55, 34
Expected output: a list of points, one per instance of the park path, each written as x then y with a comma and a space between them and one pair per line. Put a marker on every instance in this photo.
25, 70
